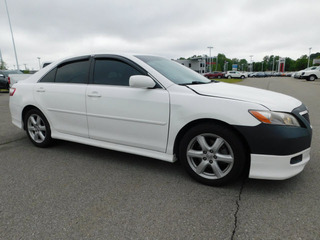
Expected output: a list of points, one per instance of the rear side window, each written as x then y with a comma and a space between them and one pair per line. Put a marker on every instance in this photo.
74, 72
113, 72
49, 77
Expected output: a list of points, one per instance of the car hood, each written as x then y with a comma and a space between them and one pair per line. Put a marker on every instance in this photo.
272, 100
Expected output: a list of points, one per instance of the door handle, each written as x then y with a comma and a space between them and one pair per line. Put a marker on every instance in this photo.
94, 94
41, 90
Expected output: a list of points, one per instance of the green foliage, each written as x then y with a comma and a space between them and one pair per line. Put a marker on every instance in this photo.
268, 63
3, 65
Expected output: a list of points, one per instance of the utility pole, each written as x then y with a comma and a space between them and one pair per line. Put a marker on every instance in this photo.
251, 56
309, 55
217, 62
273, 64
39, 63
210, 60
1, 61
14, 45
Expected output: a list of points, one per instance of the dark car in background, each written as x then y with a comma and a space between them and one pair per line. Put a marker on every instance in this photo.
260, 74
4, 83
213, 75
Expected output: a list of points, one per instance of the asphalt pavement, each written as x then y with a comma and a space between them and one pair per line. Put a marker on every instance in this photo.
73, 191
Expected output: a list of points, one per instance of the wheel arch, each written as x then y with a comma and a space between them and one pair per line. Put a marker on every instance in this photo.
198, 122
25, 110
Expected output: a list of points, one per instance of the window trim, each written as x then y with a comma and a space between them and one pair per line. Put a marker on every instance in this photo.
69, 61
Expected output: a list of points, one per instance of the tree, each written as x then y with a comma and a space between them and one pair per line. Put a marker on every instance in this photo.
290, 64
301, 63
243, 64
3, 65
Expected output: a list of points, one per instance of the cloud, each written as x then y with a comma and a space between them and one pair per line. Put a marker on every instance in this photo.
171, 28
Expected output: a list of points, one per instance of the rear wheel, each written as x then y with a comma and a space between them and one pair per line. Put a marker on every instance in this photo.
38, 128
212, 154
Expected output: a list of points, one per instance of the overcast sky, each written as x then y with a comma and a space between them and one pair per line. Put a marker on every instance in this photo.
171, 28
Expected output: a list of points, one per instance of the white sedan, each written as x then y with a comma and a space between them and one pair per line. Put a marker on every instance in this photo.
154, 107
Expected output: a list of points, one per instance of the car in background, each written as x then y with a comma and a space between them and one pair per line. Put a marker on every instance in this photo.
298, 74
312, 74
5, 83
235, 74
213, 75
155, 107
259, 74
14, 78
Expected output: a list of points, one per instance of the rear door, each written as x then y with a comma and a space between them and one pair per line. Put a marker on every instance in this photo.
61, 95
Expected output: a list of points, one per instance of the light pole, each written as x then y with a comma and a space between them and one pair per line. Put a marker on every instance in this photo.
210, 61
39, 62
217, 62
309, 55
273, 64
251, 56
14, 45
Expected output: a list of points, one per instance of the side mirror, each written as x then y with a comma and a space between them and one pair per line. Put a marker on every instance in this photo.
141, 81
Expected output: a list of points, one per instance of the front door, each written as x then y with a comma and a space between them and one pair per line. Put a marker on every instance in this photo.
124, 115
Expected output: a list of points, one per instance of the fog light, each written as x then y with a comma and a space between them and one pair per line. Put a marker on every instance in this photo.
296, 159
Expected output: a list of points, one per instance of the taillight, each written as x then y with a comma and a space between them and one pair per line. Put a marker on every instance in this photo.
9, 80
12, 91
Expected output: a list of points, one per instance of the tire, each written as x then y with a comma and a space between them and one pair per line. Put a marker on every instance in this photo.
219, 77
242, 77
312, 78
229, 77
38, 128
212, 154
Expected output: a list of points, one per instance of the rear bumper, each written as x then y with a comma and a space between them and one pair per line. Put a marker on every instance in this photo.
278, 167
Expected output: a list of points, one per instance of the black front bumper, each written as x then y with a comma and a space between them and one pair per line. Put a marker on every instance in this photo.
278, 139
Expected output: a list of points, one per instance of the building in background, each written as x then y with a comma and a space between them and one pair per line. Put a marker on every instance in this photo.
198, 64
282, 64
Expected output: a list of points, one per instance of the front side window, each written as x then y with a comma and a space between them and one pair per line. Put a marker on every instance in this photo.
113, 72
74, 72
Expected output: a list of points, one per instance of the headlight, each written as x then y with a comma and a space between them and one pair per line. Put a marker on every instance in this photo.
275, 118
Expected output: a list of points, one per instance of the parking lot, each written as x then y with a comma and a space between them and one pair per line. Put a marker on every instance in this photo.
73, 191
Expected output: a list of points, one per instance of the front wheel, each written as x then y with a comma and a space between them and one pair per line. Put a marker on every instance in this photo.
38, 128
312, 78
229, 77
242, 77
212, 154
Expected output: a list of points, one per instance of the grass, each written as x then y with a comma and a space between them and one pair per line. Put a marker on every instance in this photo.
227, 80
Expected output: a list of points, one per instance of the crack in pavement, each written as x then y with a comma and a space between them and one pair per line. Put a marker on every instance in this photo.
237, 210
11, 141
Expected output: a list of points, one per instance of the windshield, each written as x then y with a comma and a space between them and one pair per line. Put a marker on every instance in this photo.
174, 71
